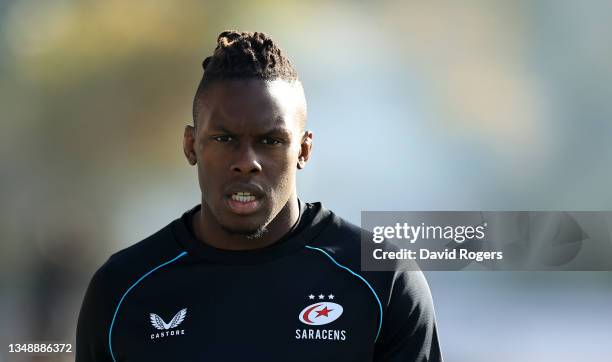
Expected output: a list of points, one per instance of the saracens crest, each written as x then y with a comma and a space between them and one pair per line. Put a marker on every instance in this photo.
318, 314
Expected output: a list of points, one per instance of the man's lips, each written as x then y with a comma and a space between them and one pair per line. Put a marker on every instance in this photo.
244, 199
244, 207
244, 189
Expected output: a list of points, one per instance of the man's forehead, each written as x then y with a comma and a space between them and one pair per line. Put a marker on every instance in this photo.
282, 89
253, 102
244, 125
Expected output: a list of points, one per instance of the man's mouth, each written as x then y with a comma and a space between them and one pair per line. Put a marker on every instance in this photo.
243, 197
244, 202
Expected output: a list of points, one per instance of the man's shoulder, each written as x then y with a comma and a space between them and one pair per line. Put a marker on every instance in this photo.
340, 240
347, 239
162, 244
140, 257
341, 236
341, 232
344, 242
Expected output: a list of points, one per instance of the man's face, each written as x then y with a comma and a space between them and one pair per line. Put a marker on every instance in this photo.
248, 142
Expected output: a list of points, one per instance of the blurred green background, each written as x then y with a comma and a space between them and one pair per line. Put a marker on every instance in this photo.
415, 105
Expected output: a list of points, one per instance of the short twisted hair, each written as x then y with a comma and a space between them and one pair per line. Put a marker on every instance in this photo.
244, 55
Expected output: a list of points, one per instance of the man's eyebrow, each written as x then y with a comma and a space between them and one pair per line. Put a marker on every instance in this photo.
278, 130
219, 128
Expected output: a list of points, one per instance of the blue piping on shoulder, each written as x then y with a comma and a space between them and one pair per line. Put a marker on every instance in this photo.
110, 330
362, 279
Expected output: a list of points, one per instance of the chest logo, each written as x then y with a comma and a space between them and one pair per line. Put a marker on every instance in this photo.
159, 323
321, 313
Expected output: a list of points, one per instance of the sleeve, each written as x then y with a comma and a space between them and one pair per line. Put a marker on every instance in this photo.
409, 326
93, 321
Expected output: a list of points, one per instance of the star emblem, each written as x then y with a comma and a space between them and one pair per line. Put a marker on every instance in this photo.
321, 296
323, 312
311, 296
331, 296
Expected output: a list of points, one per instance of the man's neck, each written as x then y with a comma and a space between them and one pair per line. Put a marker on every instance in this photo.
207, 230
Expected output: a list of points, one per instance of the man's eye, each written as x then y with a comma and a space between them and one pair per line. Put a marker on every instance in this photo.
270, 141
223, 138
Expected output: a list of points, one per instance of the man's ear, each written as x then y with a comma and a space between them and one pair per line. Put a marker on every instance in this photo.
188, 144
305, 150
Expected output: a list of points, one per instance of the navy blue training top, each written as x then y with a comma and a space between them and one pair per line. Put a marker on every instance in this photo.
172, 297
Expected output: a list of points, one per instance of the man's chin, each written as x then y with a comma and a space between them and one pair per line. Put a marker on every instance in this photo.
249, 233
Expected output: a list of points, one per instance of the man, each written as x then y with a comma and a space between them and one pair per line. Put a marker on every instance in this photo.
253, 273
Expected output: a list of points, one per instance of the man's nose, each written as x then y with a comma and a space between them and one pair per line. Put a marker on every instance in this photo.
246, 160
